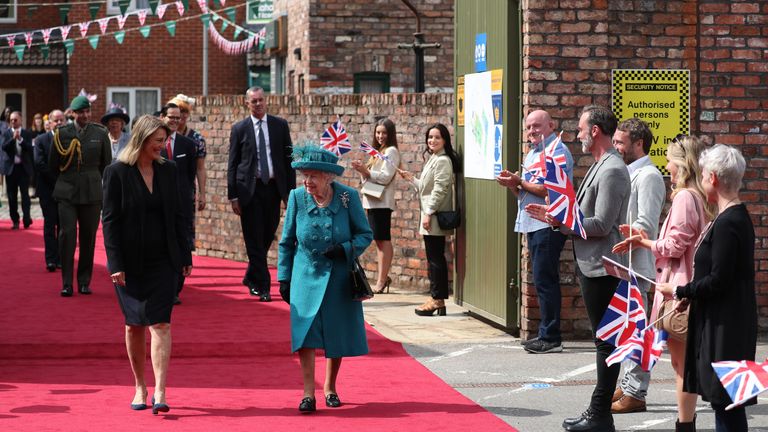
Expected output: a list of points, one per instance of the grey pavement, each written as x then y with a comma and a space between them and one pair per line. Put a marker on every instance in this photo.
531, 392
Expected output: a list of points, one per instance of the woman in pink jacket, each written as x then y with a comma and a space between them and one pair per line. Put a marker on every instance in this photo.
675, 248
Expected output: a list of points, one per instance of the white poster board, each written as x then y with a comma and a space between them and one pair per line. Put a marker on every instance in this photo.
482, 125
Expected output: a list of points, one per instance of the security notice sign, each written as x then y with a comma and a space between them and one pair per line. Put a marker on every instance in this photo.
661, 98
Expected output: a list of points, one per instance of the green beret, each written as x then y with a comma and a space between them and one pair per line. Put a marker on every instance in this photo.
79, 102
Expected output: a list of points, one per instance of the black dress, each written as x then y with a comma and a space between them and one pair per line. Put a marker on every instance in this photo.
722, 323
147, 298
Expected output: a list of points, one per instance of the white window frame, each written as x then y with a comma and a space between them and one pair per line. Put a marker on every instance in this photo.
14, 5
131, 97
113, 8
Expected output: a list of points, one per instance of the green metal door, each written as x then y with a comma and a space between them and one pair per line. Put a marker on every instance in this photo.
487, 246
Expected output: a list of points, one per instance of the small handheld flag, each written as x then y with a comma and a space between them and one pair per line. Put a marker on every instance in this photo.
335, 139
743, 380
644, 347
562, 196
624, 315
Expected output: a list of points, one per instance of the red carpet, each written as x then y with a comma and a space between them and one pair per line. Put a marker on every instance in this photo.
63, 365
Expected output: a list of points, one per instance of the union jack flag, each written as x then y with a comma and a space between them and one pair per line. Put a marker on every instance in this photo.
743, 380
644, 347
335, 139
562, 196
624, 315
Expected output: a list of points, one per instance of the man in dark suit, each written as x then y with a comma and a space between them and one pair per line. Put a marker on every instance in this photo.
183, 151
259, 176
81, 150
18, 168
46, 180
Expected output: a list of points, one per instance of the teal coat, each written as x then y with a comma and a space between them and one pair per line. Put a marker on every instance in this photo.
321, 298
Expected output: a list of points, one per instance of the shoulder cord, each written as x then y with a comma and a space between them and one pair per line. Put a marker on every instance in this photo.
69, 152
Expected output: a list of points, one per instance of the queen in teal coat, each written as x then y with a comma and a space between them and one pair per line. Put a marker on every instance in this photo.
325, 228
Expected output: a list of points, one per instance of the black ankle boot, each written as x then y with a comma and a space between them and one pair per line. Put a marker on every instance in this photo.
686, 427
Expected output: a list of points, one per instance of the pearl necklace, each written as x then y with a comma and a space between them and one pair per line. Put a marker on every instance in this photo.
324, 202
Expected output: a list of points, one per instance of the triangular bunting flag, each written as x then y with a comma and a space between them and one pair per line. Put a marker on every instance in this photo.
224, 25
45, 50
153, 5
93, 8
103, 23
161, 10
123, 5
203, 4
64, 30
262, 43
206, 18
186, 4
171, 27
238, 30
70, 46
121, 21
215, 4
19, 52
232, 14
145, 31
119, 36
223, 2
180, 7
46, 35
94, 41
31, 11
64, 9
142, 16
84, 28
11, 40
28, 38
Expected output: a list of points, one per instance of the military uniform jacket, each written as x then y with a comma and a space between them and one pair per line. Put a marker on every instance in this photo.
80, 183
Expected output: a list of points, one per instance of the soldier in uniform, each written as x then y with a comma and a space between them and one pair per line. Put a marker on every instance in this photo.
81, 150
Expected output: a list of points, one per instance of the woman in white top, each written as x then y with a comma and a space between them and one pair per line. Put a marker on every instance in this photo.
380, 204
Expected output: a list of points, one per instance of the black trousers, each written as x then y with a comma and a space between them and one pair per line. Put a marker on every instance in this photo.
597, 293
72, 216
17, 181
50, 226
437, 266
259, 220
190, 241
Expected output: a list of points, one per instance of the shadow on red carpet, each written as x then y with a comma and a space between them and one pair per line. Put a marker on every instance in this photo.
63, 364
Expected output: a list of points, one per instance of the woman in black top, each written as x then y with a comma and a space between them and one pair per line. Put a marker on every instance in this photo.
723, 315
147, 250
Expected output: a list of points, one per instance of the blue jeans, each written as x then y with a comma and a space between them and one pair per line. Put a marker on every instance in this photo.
545, 246
734, 420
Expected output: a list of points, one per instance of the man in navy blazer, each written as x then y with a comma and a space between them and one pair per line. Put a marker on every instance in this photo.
184, 154
46, 181
18, 167
259, 176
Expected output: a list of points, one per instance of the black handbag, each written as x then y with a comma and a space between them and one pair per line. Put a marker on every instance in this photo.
361, 289
449, 220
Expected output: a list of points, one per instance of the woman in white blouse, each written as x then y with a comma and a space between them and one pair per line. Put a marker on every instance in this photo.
379, 195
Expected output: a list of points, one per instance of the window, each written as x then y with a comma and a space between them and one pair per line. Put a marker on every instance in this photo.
136, 101
371, 82
8, 11
15, 98
301, 84
113, 6
291, 79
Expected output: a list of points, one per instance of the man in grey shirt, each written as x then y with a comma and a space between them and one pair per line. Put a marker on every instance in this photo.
633, 139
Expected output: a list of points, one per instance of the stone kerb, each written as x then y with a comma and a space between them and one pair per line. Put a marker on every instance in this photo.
218, 229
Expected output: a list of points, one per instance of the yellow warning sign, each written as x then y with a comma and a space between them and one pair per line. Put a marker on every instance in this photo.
460, 101
661, 98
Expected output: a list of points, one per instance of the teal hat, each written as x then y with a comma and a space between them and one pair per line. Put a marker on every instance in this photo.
79, 102
313, 157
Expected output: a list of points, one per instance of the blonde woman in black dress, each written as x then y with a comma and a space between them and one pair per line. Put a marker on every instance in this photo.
147, 250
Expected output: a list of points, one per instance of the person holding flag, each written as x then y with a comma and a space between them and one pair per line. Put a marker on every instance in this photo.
544, 244
722, 323
674, 249
379, 202
603, 197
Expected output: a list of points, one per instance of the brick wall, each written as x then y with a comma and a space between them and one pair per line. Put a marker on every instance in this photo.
570, 49
41, 97
218, 229
346, 37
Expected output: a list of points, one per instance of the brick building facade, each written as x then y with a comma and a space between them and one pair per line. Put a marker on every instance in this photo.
333, 43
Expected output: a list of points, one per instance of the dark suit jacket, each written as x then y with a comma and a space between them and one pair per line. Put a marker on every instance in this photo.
123, 217
185, 157
46, 179
243, 165
9, 147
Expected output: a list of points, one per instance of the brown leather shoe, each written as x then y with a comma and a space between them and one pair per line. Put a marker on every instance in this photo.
627, 404
617, 394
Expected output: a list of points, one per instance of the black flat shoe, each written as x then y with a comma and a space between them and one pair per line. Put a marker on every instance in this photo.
591, 422
332, 400
66, 291
265, 297
51, 267
308, 404
83, 289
